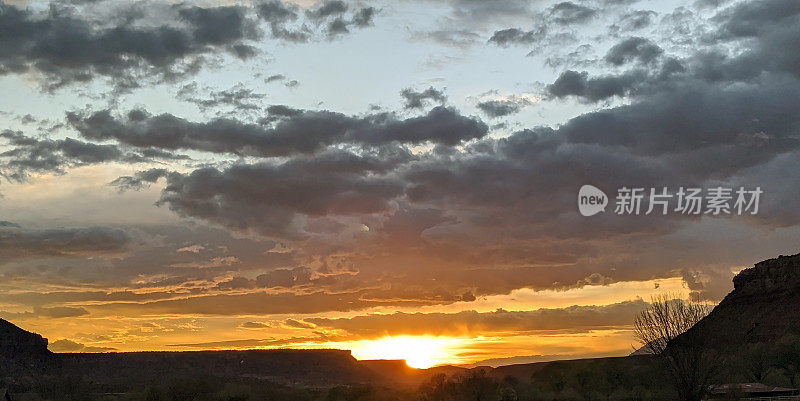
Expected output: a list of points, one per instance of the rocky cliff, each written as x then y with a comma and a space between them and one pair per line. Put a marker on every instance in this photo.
764, 305
18, 344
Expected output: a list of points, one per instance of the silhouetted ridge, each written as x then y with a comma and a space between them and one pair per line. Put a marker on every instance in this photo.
763, 307
17, 344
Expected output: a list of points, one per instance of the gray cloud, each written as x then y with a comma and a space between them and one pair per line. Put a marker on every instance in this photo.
65, 345
332, 17
513, 36
634, 20
140, 179
268, 198
57, 312
504, 105
573, 83
289, 131
32, 155
66, 48
16, 242
635, 48
500, 321
418, 100
568, 13
238, 97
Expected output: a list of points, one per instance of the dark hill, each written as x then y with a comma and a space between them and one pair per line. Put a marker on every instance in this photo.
323, 367
20, 345
763, 307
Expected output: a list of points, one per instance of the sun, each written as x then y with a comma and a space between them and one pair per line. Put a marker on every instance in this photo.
419, 352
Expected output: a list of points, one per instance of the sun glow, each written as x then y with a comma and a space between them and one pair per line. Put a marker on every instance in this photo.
419, 352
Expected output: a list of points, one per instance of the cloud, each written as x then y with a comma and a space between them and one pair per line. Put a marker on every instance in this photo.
289, 131
60, 242
332, 17
636, 48
57, 312
66, 48
140, 179
269, 198
568, 13
417, 100
571, 319
254, 325
573, 83
29, 155
285, 278
298, 324
238, 98
516, 36
381, 209
634, 20
65, 345
495, 105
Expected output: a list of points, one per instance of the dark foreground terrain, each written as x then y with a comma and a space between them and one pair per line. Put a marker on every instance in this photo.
755, 329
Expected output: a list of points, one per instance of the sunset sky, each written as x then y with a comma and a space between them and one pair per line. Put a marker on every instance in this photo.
397, 178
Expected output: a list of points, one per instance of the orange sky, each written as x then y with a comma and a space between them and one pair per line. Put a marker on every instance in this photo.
400, 179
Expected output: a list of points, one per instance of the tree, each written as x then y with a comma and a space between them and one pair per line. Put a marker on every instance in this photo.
663, 329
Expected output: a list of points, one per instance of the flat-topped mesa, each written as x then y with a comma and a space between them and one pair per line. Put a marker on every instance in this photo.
764, 306
21, 345
780, 274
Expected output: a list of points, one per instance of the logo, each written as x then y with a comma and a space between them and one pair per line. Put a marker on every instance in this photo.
591, 200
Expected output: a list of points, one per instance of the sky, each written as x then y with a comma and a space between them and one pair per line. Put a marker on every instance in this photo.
397, 178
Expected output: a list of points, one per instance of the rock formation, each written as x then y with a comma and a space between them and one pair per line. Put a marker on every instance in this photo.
764, 306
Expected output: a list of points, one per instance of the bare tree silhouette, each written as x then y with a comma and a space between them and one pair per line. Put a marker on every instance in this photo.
663, 329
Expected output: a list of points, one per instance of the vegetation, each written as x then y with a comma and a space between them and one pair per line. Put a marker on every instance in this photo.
662, 330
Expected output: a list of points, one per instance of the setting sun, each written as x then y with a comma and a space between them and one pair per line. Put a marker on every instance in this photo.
419, 352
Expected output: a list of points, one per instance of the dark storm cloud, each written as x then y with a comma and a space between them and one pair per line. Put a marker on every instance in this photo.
636, 48
290, 131
418, 100
67, 48
16, 242
471, 322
